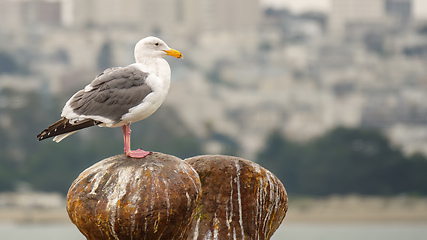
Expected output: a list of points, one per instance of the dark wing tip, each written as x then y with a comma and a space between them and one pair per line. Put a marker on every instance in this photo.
63, 126
51, 130
43, 135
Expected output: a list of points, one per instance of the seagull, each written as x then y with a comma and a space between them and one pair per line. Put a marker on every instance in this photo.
119, 96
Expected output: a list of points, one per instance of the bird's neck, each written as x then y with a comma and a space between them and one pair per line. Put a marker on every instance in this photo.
155, 65
150, 61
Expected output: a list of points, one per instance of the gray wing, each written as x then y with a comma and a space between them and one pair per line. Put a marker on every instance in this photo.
112, 93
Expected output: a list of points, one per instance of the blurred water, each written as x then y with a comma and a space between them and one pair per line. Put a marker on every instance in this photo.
288, 231
39, 232
352, 231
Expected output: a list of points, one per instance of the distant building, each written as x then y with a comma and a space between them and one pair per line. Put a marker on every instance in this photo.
348, 14
184, 17
22, 14
399, 10
181, 16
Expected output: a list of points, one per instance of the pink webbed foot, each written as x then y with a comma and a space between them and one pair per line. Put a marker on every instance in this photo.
137, 153
131, 153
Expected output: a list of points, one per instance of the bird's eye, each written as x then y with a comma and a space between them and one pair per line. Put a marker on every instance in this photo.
157, 44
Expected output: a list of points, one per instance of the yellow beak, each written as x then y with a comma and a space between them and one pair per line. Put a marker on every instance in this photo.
174, 53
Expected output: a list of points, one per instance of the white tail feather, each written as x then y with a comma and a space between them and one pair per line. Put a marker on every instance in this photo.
62, 136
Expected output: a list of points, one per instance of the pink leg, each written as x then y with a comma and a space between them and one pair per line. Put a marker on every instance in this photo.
126, 137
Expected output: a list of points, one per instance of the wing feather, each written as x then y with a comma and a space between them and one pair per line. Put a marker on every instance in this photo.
112, 94
109, 96
64, 126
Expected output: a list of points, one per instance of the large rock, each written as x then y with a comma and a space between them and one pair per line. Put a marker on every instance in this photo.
240, 199
126, 198
163, 197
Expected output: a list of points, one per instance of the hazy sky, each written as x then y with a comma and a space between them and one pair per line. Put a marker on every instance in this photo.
420, 6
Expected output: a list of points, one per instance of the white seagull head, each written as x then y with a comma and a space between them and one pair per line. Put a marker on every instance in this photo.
152, 47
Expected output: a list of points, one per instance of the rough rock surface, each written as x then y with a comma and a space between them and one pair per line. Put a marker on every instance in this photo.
127, 198
163, 197
240, 199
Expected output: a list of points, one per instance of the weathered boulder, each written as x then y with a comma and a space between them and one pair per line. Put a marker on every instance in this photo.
164, 197
128, 198
240, 199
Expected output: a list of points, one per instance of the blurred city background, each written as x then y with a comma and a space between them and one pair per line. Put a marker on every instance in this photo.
330, 95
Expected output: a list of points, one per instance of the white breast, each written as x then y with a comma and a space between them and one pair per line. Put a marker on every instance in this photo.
159, 82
